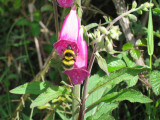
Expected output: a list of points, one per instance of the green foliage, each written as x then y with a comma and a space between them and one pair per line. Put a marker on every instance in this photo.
35, 87
127, 46
155, 81
150, 41
50, 94
135, 53
125, 94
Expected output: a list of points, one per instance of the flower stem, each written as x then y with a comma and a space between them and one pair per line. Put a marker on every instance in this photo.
76, 89
56, 18
75, 103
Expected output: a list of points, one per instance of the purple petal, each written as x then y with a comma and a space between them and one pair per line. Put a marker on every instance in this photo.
69, 32
77, 75
82, 56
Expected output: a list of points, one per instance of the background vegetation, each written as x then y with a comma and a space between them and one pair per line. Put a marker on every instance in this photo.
27, 35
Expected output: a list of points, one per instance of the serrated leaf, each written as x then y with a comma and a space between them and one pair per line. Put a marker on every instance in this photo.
135, 53
35, 87
129, 61
90, 26
114, 63
124, 94
104, 108
155, 81
132, 82
48, 95
127, 46
93, 80
118, 76
150, 41
142, 42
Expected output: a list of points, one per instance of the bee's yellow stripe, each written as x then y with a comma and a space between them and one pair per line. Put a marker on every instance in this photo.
68, 58
68, 63
69, 51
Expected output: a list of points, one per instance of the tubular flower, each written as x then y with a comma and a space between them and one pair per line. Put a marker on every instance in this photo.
65, 3
79, 72
69, 32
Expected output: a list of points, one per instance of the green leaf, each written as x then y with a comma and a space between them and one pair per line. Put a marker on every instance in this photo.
37, 16
22, 22
35, 29
90, 26
155, 81
124, 94
114, 63
129, 61
134, 4
102, 63
17, 4
93, 80
132, 82
142, 42
103, 109
127, 46
48, 95
150, 41
117, 77
135, 53
46, 8
103, 117
156, 11
35, 87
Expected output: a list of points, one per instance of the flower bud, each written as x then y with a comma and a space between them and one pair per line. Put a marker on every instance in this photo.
65, 3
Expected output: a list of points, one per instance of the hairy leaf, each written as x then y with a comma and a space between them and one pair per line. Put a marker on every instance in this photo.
125, 94
118, 76
49, 94
155, 82
35, 87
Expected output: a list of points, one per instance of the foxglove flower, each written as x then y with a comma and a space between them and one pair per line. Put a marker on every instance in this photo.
79, 72
69, 32
65, 3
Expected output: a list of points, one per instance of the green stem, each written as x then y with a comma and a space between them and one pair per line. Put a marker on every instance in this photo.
76, 89
75, 103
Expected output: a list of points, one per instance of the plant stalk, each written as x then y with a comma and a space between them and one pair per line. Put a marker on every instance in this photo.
76, 89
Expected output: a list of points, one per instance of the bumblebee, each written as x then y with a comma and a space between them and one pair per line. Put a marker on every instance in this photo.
68, 58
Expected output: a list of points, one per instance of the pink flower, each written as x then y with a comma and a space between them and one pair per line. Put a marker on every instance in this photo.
65, 3
69, 32
79, 72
